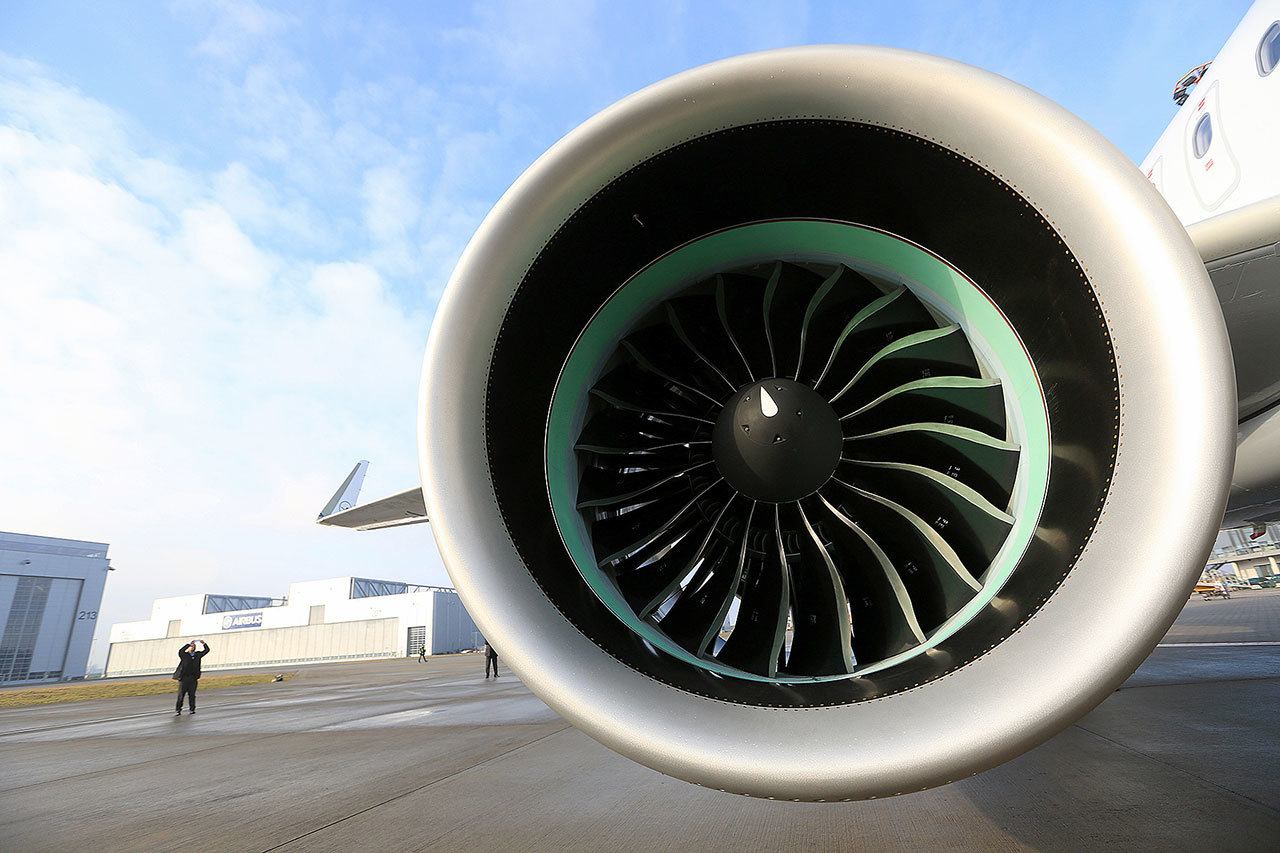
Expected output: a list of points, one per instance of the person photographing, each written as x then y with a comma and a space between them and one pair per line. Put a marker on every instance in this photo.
188, 672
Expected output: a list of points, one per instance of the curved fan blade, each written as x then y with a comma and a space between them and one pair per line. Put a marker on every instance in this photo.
884, 619
664, 415
738, 302
937, 579
612, 427
650, 583
958, 400
985, 464
603, 487
617, 535
961, 516
893, 316
842, 295
695, 323
648, 390
822, 636
755, 644
620, 464
669, 453
701, 383
923, 355
697, 615
786, 296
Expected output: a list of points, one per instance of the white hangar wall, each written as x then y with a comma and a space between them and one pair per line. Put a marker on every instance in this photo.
337, 619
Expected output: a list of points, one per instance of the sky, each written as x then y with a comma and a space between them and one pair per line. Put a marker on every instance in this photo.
225, 226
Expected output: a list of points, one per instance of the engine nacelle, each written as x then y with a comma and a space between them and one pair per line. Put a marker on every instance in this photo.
827, 423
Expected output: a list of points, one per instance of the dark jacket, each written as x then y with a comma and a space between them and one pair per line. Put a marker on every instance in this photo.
189, 662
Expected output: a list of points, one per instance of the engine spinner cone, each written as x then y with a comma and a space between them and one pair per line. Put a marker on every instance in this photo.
777, 441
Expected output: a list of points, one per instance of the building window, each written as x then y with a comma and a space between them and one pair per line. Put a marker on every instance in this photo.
232, 603
1203, 137
1269, 50
368, 588
315, 616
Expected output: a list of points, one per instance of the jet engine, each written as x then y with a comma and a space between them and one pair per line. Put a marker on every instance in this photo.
827, 423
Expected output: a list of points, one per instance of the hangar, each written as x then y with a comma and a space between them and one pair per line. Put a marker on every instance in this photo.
50, 590
346, 618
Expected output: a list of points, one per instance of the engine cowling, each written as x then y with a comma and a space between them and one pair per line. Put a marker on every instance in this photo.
827, 423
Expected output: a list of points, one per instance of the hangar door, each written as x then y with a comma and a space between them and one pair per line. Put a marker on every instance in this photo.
417, 638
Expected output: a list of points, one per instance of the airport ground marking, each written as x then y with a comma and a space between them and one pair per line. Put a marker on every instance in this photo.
1223, 643
430, 784
1184, 771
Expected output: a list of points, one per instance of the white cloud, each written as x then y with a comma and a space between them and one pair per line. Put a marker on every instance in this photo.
391, 207
174, 383
235, 26
261, 207
536, 42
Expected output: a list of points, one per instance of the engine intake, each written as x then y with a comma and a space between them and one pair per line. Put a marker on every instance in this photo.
787, 423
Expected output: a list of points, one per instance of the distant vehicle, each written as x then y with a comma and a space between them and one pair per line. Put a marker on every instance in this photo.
1263, 583
1209, 591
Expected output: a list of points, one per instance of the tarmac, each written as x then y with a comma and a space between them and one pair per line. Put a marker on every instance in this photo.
402, 755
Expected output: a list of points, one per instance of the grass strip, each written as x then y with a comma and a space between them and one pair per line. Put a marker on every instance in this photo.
109, 689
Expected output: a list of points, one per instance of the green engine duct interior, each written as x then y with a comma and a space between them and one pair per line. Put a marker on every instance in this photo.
909, 356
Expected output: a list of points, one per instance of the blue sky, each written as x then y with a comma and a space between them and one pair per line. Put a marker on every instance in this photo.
224, 227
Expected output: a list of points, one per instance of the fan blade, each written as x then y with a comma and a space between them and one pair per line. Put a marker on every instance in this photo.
649, 585
756, 642
687, 317
965, 519
935, 576
789, 291
936, 352
884, 619
839, 298
987, 465
822, 636
739, 299
601, 487
665, 415
693, 386
958, 400
616, 536
672, 452
651, 391
700, 610
608, 426
895, 315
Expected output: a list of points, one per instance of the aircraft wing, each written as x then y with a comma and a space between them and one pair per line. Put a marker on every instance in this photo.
1225, 238
407, 507
1241, 250
394, 511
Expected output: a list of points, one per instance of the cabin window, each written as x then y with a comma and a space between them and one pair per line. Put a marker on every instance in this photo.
1269, 50
1203, 137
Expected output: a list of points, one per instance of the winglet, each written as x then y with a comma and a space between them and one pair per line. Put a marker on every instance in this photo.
347, 494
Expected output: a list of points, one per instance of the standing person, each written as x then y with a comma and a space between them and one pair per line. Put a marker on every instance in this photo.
422, 654
490, 659
188, 672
